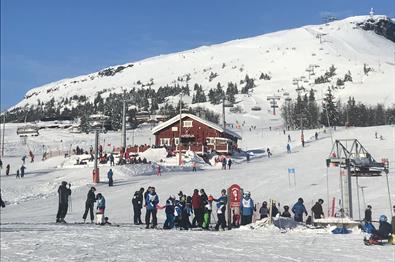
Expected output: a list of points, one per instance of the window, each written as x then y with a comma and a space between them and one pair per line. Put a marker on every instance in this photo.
165, 141
210, 140
176, 141
187, 123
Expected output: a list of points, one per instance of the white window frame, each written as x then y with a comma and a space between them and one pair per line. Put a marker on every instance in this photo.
165, 141
187, 123
176, 141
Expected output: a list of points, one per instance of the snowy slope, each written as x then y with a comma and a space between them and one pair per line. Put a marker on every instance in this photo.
284, 55
33, 204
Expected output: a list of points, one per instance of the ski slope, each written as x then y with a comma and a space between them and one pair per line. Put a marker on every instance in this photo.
28, 231
285, 56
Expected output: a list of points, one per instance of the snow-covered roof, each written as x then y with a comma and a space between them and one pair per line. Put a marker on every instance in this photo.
203, 121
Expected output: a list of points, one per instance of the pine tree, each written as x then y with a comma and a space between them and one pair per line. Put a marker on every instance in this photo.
329, 110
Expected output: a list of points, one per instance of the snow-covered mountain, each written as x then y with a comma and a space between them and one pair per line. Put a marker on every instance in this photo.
362, 45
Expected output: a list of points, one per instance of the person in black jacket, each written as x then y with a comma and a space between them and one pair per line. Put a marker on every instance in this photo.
368, 214
89, 204
64, 194
317, 209
137, 202
2, 202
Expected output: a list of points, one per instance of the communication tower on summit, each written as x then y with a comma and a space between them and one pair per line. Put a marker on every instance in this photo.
371, 13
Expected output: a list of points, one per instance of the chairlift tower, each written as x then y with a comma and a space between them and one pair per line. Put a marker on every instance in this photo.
273, 102
351, 156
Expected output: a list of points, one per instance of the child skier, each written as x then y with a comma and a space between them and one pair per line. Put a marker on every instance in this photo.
221, 208
169, 223
264, 211
207, 212
101, 206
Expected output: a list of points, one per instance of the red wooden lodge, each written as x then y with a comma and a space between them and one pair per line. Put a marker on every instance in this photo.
197, 135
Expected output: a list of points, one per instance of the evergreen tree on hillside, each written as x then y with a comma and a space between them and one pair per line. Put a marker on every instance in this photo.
329, 110
199, 96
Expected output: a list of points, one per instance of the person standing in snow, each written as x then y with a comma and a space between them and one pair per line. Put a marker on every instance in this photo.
288, 148
317, 209
7, 170
274, 209
101, 207
229, 163
151, 203
23, 159
169, 210
64, 194
2, 204
112, 163
137, 202
23, 170
289, 138
368, 214
246, 209
110, 175
286, 212
207, 212
186, 213
269, 154
264, 210
298, 209
196, 206
224, 163
89, 204
221, 208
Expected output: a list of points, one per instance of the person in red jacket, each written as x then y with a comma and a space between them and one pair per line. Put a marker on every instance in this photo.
196, 206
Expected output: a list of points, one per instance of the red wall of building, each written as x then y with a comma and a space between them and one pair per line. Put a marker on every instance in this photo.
198, 129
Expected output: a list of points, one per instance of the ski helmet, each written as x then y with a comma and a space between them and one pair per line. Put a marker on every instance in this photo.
383, 218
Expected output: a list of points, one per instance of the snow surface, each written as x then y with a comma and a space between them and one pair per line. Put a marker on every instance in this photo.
28, 231
284, 55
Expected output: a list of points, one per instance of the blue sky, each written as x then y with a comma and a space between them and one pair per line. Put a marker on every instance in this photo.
47, 40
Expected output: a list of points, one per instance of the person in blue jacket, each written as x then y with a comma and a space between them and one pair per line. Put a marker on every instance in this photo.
298, 209
169, 210
109, 175
246, 208
151, 202
221, 208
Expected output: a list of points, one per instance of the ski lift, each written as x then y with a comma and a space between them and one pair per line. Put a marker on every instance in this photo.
357, 158
27, 130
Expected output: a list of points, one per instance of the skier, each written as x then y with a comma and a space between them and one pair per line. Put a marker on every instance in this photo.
194, 166
110, 175
177, 213
246, 209
269, 154
31, 156
224, 163
274, 209
286, 212
196, 205
64, 194
264, 211
221, 208
185, 213
112, 163
2, 202
169, 223
298, 209
229, 163
23, 159
207, 212
89, 204
383, 233
368, 214
317, 209
137, 202
289, 138
151, 202
17, 174
101, 206
316, 136
288, 148
302, 139
23, 170
7, 170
